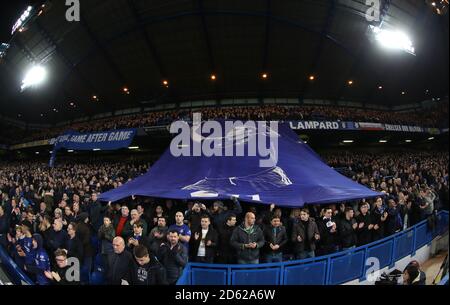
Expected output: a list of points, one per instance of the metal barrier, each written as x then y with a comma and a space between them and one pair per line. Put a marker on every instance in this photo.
17, 276
333, 269
444, 281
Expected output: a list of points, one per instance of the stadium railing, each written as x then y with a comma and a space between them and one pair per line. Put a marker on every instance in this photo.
444, 281
334, 269
17, 276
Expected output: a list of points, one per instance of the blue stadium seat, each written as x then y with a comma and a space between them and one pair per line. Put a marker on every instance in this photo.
97, 278
85, 274
95, 244
98, 262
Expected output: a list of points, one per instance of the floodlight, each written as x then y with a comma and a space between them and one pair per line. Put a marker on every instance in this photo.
392, 39
34, 77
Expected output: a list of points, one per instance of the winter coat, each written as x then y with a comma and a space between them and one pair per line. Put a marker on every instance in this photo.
210, 251
275, 236
241, 237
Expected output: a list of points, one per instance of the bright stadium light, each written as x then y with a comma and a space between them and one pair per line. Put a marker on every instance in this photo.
34, 77
348, 141
395, 40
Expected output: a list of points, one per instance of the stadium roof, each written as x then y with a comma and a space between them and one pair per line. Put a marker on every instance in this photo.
137, 44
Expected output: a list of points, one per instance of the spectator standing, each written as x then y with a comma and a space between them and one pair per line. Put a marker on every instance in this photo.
174, 257
148, 270
226, 254
248, 240
120, 263
204, 242
305, 235
365, 226
158, 235
276, 239
327, 226
183, 230
347, 230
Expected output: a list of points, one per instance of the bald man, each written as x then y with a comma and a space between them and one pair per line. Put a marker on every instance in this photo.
120, 263
248, 239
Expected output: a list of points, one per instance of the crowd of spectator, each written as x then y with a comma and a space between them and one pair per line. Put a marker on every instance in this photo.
434, 117
48, 217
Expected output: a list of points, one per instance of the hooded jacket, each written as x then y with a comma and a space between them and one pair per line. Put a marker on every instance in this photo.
41, 262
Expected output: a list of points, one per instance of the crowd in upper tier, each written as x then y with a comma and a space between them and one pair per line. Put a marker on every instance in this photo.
48, 217
434, 117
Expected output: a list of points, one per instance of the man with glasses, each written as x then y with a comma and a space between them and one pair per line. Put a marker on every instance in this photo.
61, 273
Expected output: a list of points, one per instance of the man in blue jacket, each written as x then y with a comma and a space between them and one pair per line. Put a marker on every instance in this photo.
41, 262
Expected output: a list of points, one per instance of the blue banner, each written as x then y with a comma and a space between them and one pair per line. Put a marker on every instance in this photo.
106, 140
298, 176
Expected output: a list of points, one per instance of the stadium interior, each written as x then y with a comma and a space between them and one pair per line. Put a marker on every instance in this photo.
365, 88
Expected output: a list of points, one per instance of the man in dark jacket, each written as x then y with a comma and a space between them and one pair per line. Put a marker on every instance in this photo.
73, 246
61, 273
305, 235
328, 233
276, 239
225, 252
4, 227
394, 219
120, 263
95, 212
57, 237
84, 233
204, 242
138, 238
365, 226
379, 215
194, 215
347, 230
158, 235
173, 255
248, 240
148, 271
219, 215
